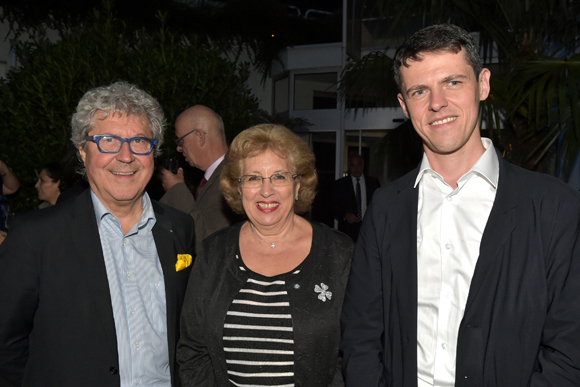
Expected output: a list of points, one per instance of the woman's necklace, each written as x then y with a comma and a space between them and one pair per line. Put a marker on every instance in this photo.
273, 244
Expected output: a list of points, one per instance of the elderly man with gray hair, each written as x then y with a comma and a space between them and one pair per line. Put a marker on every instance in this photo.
91, 290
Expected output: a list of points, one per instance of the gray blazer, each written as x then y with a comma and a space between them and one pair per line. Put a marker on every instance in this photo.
210, 211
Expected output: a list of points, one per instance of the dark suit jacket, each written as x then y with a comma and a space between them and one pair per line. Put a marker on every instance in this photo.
56, 319
210, 211
344, 201
521, 325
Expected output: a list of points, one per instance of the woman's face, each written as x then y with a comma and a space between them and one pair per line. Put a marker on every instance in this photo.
268, 206
47, 189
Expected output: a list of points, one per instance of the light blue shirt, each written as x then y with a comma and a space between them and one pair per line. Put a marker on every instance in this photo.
137, 296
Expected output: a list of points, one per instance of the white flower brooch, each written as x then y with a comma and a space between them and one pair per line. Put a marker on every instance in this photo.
324, 293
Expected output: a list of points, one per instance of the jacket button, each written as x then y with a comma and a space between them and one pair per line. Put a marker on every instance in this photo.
113, 370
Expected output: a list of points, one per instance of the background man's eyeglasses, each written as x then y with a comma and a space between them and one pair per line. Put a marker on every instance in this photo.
179, 141
277, 179
107, 143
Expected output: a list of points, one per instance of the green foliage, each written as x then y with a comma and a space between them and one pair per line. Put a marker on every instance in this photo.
38, 98
260, 28
366, 89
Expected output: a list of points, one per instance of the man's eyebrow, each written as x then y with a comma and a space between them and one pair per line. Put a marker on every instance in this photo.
415, 88
447, 79
453, 77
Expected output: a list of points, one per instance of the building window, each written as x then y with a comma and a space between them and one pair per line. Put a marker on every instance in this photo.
315, 91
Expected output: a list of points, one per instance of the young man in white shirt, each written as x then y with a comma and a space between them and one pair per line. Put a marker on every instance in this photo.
466, 270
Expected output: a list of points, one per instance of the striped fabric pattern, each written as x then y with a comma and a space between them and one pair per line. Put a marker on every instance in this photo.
258, 335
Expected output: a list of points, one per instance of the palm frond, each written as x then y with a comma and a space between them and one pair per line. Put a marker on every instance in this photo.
369, 82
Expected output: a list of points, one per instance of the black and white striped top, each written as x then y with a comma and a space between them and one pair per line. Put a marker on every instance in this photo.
258, 333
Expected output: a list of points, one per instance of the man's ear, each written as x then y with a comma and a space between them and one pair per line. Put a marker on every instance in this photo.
403, 104
83, 153
201, 138
484, 86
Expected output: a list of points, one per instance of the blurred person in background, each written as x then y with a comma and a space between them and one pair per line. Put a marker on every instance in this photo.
9, 184
48, 184
201, 138
351, 196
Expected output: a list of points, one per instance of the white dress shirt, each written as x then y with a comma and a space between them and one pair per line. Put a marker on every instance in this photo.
213, 167
450, 225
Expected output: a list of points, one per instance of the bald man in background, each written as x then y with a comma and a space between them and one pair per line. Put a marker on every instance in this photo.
202, 141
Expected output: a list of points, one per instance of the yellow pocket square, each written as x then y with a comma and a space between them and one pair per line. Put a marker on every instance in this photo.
183, 261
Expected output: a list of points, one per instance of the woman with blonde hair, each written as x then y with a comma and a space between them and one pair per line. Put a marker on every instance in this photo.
264, 299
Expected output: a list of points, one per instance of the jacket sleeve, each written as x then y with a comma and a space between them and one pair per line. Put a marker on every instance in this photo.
193, 357
19, 286
362, 313
558, 361
179, 197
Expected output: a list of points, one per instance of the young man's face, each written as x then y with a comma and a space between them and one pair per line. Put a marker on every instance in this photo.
441, 96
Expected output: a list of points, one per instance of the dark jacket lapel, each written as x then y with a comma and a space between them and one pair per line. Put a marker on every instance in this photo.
168, 244
498, 229
402, 233
84, 235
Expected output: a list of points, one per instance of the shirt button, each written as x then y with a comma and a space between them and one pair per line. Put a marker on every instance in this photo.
138, 382
137, 346
447, 295
128, 275
449, 198
124, 241
133, 310
448, 246
444, 346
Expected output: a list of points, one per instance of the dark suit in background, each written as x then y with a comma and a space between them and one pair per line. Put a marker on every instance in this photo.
56, 324
344, 201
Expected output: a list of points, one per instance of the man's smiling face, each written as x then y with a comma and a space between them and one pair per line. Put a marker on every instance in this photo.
118, 179
441, 96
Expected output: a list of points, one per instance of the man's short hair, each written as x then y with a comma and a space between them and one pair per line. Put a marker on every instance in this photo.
437, 38
118, 98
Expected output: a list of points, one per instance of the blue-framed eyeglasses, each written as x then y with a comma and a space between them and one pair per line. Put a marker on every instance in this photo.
179, 141
108, 143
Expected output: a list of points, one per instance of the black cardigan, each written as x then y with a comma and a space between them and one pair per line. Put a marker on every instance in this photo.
216, 279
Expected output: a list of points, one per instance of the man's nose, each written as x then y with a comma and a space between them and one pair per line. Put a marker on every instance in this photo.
437, 100
125, 153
